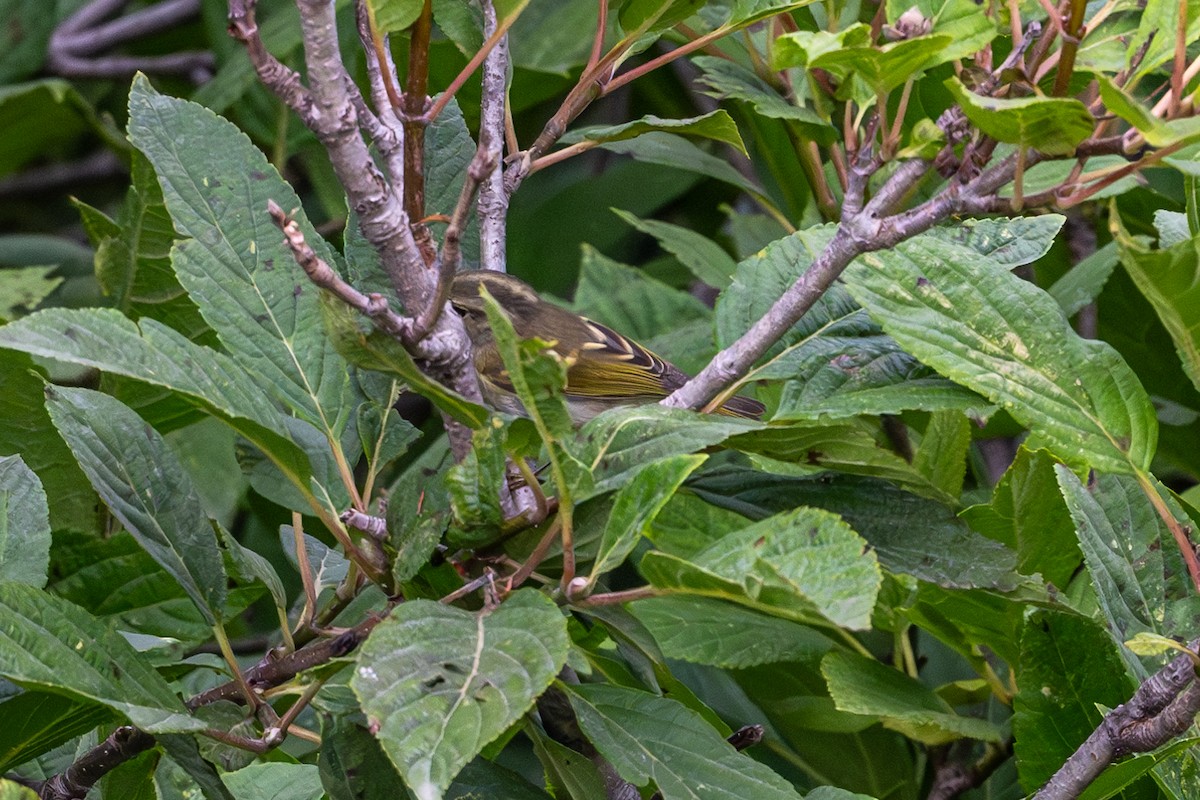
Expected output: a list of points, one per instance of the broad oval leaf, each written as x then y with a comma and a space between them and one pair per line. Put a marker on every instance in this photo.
805, 564
636, 505
985, 328
835, 361
439, 683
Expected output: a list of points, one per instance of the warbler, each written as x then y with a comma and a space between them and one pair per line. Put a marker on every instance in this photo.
604, 368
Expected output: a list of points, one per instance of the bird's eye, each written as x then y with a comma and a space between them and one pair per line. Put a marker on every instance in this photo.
460, 310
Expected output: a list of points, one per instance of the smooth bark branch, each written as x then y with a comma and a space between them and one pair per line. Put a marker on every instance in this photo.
383, 125
74, 45
1162, 708
493, 200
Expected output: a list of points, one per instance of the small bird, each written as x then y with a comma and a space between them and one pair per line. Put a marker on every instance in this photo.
604, 369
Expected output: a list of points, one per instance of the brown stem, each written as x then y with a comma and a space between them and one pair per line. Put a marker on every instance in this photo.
1072, 32
415, 97
1180, 65
445, 97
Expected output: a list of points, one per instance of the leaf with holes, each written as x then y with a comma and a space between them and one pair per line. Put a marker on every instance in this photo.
439, 683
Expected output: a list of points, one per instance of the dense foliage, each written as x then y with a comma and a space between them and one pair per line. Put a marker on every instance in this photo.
953, 248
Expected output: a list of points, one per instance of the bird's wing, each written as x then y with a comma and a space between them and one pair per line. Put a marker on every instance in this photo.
617, 366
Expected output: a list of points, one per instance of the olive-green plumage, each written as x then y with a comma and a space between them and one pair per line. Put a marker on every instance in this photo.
604, 368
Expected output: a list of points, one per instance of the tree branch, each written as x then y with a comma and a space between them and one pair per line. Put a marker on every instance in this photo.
74, 44
127, 742
1162, 708
493, 200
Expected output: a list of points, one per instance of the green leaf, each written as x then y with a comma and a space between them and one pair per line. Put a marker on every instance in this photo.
275, 781
728, 80
116, 580
23, 288
641, 16
24, 524
327, 567
654, 739
1010, 242
25, 429
1137, 571
352, 764
439, 683
987, 329
1167, 277
805, 564
635, 507
133, 261
37, 722
568, 773
158, 355
847, 446
705, 630
250, 567
702, 256
1028, 514
1059, 696
11, 790
942, 456
546, 37
618, 443
969, 31
669, 150
449, 149
144, 485
851, 52
391, 16
50, 644
716, 125
1052, 125
485, 779
947, 552
185, 751
1081, 285
861, 685
1148, 45
1121, 775
836, 361
233, 262
474, 486
1153, 644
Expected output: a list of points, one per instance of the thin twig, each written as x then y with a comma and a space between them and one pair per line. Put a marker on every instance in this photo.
375, 307
481, 166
